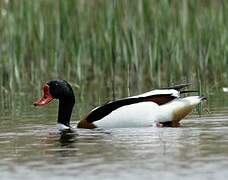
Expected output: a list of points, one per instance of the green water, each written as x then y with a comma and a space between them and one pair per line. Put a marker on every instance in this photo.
31, 148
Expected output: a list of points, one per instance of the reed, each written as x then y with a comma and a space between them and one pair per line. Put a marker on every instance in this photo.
102, 45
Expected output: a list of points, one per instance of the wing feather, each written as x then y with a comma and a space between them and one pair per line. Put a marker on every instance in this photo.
101, 111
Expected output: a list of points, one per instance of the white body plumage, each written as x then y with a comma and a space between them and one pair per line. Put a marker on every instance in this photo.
144, 114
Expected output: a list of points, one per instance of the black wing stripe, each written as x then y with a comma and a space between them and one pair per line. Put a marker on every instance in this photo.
106, 109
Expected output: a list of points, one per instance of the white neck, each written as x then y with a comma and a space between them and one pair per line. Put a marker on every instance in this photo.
62, 127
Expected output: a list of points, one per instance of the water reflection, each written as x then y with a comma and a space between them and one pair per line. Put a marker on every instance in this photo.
67, 137
31, 147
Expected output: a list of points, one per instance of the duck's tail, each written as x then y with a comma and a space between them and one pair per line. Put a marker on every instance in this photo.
181, 107
179, 86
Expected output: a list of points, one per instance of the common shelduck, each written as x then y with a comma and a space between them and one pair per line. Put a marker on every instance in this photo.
163, 107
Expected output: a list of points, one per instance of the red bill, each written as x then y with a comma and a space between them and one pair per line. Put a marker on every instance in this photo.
47, 97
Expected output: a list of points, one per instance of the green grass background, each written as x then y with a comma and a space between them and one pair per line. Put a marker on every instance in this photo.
115, 46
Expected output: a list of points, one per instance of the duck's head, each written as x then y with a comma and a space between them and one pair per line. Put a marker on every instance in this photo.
61, 90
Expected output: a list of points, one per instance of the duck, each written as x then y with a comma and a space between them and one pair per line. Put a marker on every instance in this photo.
161, 108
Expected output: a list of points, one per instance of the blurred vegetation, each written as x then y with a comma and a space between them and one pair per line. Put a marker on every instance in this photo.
116, 46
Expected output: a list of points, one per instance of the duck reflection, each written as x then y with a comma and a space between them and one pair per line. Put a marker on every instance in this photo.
67, 137
70, 144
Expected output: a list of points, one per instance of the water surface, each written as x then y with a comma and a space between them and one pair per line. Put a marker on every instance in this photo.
31, 148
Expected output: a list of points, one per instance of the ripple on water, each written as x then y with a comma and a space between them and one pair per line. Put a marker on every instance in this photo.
30, 148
